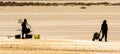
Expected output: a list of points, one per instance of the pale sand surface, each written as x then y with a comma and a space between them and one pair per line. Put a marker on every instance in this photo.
69, 23
61, 22
48, 46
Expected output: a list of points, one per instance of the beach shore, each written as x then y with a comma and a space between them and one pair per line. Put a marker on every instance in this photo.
61, 22
62, 29
32, 46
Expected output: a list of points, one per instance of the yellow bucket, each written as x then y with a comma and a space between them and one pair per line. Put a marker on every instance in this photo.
36, 36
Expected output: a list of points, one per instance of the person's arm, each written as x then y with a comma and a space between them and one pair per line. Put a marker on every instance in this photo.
101, 29
29, 25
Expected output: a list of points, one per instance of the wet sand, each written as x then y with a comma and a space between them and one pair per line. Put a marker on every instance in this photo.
55, 46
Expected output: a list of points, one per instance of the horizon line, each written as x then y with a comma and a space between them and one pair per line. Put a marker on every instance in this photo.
52, 13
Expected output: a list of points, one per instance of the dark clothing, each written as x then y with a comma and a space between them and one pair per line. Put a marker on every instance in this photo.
24, 29
105, 36
104, 29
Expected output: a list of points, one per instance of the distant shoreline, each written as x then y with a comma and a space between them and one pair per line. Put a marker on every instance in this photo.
12, 3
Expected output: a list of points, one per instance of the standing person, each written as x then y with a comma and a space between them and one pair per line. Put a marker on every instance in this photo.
104, 30
24, 28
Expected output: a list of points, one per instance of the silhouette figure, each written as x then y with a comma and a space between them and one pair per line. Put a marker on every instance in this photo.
104, 30
25, 30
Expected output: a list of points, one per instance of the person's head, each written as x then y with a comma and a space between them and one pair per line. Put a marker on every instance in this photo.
25, 20
105, 21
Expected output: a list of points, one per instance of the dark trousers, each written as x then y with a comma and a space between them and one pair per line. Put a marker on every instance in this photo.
24, 33
104, 34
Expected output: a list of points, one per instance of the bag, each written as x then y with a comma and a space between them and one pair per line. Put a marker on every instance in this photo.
96, 36
29, 36
17, 36
28, 30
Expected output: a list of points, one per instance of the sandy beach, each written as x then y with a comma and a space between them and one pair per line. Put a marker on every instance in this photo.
55, 46
62, 29
61, 22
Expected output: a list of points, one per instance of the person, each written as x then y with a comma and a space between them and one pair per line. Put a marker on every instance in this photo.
104, 30
24, 28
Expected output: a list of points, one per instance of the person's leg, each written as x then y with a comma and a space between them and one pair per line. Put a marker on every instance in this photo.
26, 35
105, 37
102, 35
22, 35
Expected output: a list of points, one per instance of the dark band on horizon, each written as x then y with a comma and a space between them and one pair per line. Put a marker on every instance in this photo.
12, 3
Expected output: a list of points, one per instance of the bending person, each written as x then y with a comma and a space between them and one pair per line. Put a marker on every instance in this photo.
24, 28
